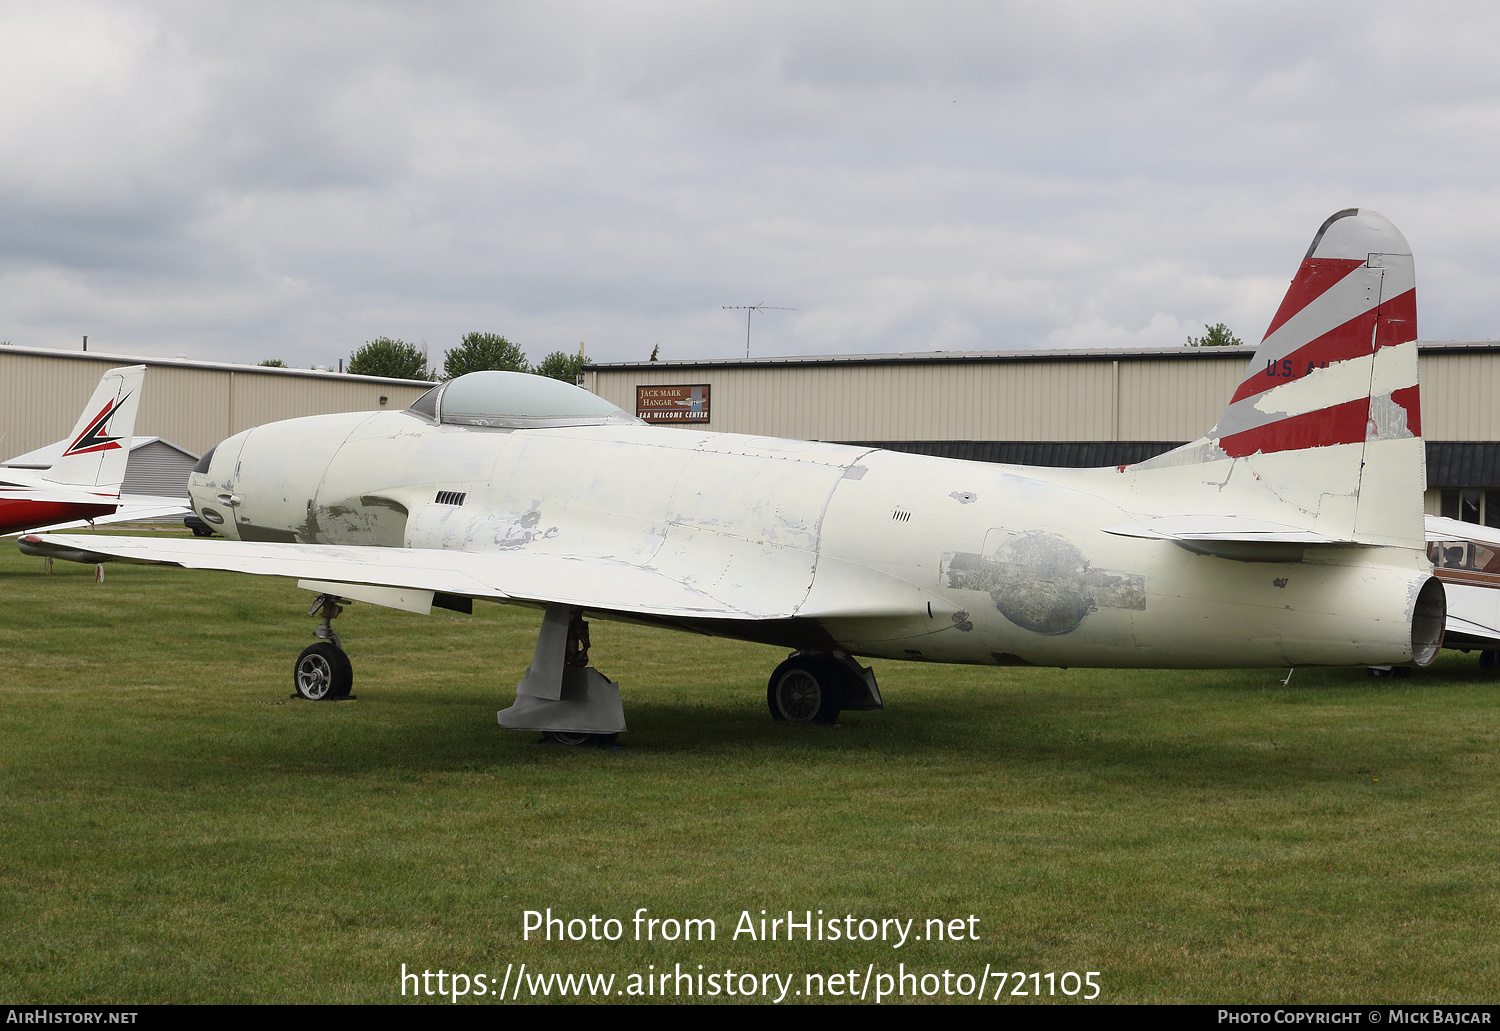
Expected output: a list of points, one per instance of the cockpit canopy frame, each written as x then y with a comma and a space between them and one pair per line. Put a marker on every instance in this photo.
515, 400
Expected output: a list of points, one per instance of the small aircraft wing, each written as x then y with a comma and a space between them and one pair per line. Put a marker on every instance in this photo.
56, 495
1440, 528
133, 508
591, 583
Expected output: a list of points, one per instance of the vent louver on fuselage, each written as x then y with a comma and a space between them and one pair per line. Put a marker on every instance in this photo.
451, 497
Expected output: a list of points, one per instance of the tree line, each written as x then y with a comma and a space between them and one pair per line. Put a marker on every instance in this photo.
477, 352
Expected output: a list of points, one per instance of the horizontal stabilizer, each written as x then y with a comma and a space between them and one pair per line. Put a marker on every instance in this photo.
1221, 528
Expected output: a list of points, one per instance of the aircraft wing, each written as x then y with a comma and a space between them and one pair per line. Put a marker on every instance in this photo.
1440, 528
590, 583
54, 494
134, 508
1459, 625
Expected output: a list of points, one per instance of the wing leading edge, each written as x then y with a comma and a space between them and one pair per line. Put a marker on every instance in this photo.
591, 583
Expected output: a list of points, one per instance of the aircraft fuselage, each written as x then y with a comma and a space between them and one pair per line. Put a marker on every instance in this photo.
875, 552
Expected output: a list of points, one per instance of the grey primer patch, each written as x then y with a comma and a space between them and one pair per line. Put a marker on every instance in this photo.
855, 472
1041, 582
523, 531
267, 534
964, 497
1280, 581
961, 621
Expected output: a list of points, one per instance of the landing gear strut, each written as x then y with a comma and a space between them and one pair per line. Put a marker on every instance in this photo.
323, 672
561, 695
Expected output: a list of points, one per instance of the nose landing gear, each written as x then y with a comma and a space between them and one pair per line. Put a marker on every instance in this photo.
323, 671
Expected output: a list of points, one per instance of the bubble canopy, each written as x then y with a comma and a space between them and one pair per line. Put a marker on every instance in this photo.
514, 399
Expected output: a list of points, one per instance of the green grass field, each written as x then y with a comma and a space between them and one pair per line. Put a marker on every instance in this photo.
174, 828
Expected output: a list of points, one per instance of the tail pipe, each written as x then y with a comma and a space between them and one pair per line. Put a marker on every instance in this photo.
1429, 617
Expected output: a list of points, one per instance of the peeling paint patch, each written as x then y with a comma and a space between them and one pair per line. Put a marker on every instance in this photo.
518, 534
1408, 399
961, 622
1387, 419
964, 497
1280, 581
1041, 582
1190, 454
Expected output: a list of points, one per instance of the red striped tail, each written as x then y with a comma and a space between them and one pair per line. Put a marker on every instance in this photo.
1335, 378
1311, 383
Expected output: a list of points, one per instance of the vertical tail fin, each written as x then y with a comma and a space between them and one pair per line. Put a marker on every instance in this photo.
1312, 380
99, 446
1327, 416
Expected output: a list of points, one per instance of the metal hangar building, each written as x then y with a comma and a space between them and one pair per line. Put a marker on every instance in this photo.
1051, 408
190, 404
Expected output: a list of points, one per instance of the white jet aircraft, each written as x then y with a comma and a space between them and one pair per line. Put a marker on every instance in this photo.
1291, 535
84, 481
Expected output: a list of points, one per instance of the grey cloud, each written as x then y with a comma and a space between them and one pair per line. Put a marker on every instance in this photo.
237, 181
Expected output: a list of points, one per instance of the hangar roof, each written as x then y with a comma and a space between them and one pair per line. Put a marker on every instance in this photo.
1085, 354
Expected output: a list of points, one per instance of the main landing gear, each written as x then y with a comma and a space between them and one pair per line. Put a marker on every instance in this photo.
811, 687
323, 672
561, 695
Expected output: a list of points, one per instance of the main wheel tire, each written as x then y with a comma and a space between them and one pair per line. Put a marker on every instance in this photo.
322, 672
575, 738
806, 689
1487, 659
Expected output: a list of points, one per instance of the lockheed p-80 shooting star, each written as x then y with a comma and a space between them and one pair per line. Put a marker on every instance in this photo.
1290, 535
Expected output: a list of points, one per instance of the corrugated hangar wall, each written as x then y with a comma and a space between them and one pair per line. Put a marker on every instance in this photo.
192, 404
1096, 407
1055, 398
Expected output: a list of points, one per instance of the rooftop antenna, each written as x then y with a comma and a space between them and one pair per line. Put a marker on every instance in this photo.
748, 308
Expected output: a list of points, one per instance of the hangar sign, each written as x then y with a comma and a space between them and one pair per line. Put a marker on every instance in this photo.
659, 403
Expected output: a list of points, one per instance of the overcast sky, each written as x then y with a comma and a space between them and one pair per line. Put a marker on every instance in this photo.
247, 181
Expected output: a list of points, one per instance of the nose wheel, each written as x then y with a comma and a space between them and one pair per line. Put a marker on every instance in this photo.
323, 671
